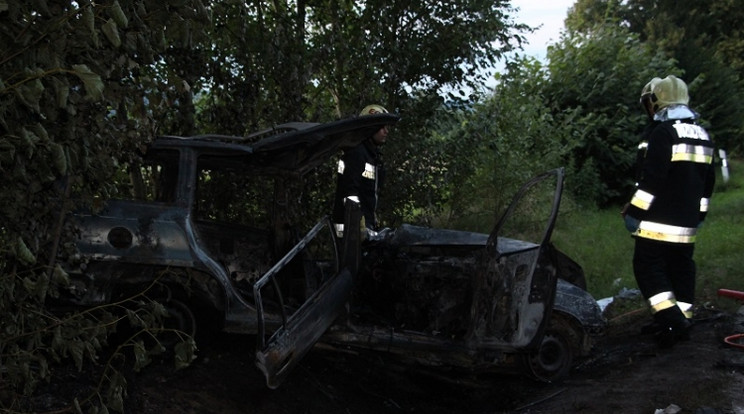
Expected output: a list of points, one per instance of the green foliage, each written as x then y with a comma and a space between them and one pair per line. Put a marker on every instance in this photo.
271, 62
590, 98
500, 144
388, 47
598, 241
703, 37
323, 60
415, 184
35, 341
576, 112
73, 104
268, 63
85, 86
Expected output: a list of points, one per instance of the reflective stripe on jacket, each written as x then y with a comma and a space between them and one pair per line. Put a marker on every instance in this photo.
358, 175
675, 182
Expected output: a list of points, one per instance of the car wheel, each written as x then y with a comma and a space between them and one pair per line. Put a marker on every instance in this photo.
180, 317
553, 360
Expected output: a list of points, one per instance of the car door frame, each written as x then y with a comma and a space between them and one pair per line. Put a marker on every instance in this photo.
513, 294
279, 351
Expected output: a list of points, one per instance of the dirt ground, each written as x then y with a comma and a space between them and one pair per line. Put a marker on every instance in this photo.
627, 373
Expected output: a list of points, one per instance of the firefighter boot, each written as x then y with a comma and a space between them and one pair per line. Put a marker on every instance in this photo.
674, 327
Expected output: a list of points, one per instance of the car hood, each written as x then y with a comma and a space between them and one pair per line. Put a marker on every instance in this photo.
409, 235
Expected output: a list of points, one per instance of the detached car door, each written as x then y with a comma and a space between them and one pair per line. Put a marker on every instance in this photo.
300, 328
330, 268
514, 291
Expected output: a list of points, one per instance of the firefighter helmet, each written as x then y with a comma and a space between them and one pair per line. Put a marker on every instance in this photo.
661, 93
373, 109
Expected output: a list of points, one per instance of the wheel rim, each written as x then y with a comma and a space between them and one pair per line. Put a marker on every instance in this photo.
553, 360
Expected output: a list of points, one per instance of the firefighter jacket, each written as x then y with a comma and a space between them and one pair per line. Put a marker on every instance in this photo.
359, 177
676, 179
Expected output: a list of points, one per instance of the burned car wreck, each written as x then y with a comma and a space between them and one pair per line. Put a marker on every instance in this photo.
475, 301
469, 301
436, 297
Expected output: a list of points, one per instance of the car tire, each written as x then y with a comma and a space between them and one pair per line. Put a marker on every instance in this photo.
180, 317
553, 360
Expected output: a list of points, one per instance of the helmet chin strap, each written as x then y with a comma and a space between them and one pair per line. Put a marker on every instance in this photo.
648, 106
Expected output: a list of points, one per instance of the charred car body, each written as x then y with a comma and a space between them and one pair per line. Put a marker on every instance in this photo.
439, 297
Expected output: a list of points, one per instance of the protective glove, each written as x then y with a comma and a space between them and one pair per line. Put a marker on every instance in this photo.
632, 223
624, 210
378, 235
363, 230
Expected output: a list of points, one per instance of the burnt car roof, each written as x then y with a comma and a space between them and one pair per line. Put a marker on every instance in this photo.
295, 147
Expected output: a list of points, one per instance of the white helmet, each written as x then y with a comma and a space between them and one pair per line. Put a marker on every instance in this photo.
664, 92
373, 109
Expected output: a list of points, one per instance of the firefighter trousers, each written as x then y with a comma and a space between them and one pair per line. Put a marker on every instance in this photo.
661, 268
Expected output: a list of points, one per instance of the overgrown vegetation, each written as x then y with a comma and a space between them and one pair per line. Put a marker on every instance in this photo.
74, 103
85, 86
703, 41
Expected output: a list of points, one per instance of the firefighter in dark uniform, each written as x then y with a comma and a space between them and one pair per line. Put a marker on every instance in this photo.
359, 178
675, 183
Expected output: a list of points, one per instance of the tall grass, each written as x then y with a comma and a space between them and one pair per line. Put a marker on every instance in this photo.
598, 241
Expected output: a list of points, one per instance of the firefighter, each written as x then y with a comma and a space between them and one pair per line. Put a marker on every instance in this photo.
359, 178
673, 190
